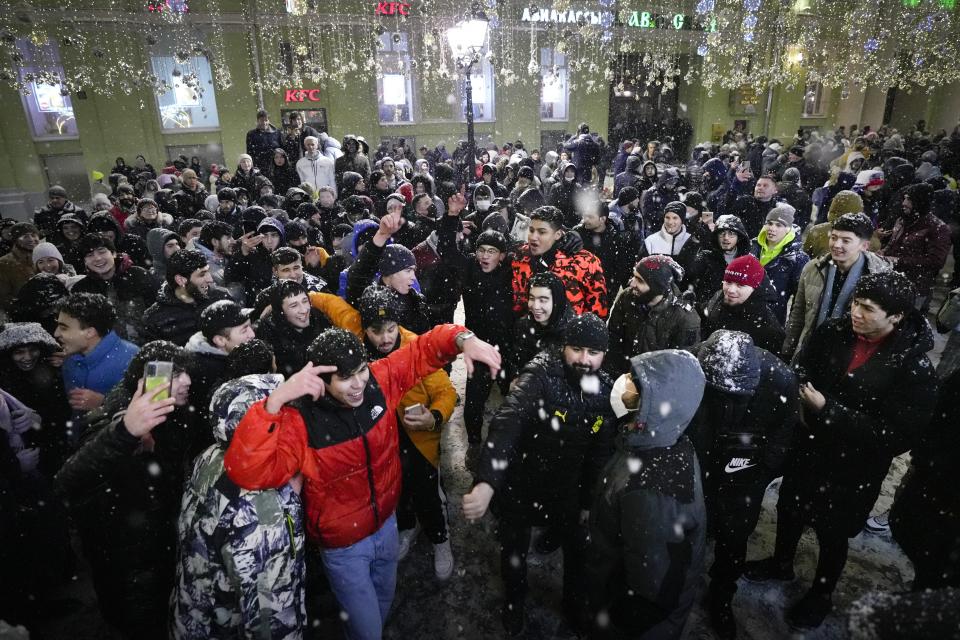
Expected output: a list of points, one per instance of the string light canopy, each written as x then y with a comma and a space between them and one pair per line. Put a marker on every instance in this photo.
717, 44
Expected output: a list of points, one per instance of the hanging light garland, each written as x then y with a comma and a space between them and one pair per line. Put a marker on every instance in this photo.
723, 44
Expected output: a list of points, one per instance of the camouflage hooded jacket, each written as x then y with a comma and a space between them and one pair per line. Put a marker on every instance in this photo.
240, 570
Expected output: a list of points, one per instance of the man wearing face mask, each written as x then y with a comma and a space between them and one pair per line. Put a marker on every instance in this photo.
648, 316
742, 433
648, 524
545, 446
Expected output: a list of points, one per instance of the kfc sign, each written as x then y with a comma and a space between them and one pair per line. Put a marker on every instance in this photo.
392, 8
301, 95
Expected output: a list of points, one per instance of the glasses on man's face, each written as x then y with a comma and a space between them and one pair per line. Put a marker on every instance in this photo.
487, 251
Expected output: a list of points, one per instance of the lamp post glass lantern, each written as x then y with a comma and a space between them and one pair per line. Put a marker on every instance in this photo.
468, 39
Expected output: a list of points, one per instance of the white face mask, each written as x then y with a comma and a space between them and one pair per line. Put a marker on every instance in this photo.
483, 205
616, 396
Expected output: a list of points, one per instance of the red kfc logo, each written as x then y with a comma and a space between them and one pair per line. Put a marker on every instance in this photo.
392, 8
301, 95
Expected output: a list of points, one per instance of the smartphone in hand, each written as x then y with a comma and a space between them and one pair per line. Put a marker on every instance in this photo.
156, 374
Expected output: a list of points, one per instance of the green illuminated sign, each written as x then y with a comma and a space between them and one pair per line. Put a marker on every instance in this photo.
677, 21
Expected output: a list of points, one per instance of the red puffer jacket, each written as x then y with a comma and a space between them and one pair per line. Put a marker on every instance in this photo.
349, 457
581, 274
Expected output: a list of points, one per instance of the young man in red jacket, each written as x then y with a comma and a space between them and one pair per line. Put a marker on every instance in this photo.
336, 423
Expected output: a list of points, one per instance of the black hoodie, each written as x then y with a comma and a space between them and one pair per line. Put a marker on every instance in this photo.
530, 337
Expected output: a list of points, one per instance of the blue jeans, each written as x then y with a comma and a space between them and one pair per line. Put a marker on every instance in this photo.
363, 577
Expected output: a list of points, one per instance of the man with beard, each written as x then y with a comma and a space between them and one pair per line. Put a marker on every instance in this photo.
315, 167
291, 326
738, 306
227, 209
648, 316
216, 243
126, 205
186, 292
546, 445
17, 266
57, 206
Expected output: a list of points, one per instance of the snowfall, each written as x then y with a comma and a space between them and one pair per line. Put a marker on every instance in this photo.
467, 605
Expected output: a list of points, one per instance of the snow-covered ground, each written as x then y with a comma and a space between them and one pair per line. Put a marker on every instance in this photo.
467, 605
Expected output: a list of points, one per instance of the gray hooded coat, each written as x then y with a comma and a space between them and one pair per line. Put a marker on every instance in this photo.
648, 524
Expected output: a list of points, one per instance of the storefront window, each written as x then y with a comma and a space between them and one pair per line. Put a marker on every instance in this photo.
189, 102
47, 103
816, 97
481, 79
395, 83
554, 93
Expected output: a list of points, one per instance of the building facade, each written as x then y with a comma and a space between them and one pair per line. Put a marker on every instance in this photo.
381, 70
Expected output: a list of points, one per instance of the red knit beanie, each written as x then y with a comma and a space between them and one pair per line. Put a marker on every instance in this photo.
744, 270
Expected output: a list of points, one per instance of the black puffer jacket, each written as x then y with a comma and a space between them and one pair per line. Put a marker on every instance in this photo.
125, 502
750, 407
254, 270
554, 438
636, 328
170, 318
873, 414
487, 297
290, 345
753, 317
189, 203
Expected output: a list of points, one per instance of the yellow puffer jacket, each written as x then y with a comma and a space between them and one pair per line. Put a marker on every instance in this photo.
435, 391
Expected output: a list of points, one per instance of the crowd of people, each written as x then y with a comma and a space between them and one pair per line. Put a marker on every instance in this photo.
665, 349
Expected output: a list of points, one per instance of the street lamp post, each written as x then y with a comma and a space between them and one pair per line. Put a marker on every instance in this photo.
467, 40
